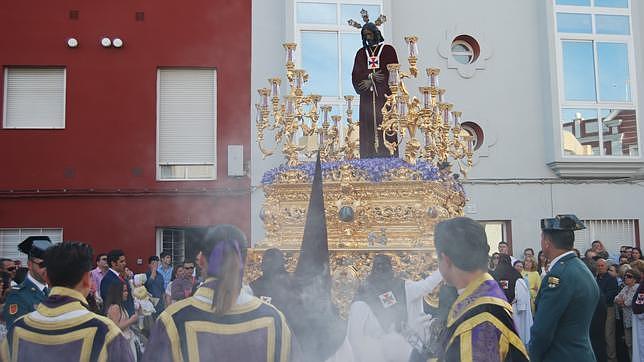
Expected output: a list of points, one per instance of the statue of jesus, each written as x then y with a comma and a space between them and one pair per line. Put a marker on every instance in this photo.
369, 78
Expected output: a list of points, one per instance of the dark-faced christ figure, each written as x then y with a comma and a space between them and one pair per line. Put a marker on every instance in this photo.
369, 78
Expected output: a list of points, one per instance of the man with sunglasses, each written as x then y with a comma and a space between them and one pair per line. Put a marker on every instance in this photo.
33, 290
182, 285
10, 267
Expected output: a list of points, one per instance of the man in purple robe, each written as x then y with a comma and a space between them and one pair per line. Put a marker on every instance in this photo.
62, 328
221, 321
479, 324
369, 77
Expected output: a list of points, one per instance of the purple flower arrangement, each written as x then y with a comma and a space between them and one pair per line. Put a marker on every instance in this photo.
377, 169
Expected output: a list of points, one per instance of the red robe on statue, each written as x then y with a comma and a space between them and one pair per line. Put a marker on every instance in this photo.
361, 72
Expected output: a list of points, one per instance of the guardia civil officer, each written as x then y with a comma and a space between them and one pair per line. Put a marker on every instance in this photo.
33, 290
567, 298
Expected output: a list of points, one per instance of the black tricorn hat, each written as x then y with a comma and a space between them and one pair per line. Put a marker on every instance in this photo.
35, 246
567, 222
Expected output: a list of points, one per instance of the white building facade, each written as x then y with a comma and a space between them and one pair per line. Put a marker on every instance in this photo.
552, 84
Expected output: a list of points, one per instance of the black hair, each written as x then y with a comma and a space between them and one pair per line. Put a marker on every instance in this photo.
464, 241
99, 256
21, 274
92, 305
5, 277
114, 295
591, 264
526, 249
2, 260
540, 264
561, 239
67, 263
503, 242
174, 270
153, 258
164, 254
114, 255
491, 265
273, 261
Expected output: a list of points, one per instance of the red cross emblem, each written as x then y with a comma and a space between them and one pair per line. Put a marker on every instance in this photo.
387, 299
374, 63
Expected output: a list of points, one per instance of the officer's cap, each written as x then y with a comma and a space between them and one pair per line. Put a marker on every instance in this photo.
35, 246
568, 222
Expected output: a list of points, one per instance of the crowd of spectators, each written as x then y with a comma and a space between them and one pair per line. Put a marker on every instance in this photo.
616, 333
618, 275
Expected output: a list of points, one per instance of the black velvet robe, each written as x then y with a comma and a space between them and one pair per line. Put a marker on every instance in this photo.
366, 116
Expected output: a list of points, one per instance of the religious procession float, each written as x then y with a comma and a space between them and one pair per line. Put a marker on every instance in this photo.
373, 205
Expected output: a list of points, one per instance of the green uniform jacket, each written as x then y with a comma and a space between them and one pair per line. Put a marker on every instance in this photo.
565, 305
21, 301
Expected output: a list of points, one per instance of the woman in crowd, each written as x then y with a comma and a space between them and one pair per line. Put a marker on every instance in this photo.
494, 261
532, 276
637, 304
517, 293
624, 300
518, 266
542, 264
599, 249
636, 254
177, 270
115, 302
623, 268
528, 252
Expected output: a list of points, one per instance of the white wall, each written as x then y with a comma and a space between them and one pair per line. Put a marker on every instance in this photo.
525, 204
269, 33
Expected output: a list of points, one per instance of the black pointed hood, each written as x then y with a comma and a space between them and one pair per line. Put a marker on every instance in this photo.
314, 252
316, 322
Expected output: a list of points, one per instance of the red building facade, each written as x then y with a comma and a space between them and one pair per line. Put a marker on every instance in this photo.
97, 176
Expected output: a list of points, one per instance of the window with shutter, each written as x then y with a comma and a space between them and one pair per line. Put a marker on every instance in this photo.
183, 243
173, 241
34, 98
612, 233
10, 238
187, 124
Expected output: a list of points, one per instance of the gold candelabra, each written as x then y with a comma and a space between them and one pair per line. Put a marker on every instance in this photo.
297, 114
431, 129
429, 119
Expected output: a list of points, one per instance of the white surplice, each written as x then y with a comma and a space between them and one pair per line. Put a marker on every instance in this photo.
367, 341
521, 310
